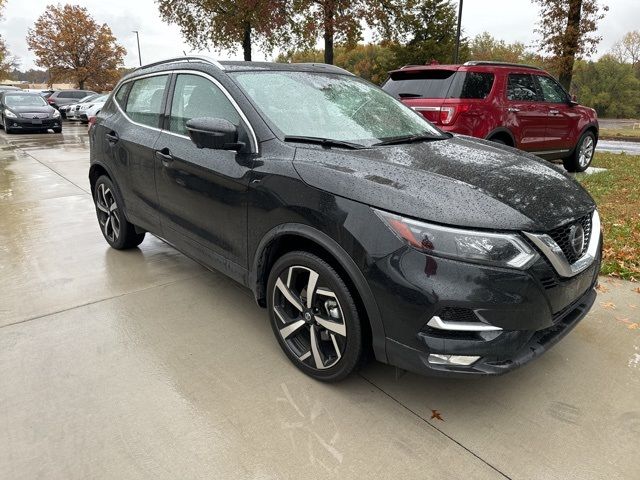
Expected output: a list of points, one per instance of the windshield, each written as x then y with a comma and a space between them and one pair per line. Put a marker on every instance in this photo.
331, 106
33, 100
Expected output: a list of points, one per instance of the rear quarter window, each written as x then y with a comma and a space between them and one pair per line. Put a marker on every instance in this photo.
471, 85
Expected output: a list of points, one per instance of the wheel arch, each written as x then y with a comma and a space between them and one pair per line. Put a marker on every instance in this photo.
96, 170
290, 237
502, 133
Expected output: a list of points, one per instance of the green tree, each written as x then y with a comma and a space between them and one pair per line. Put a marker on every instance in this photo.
370, 61
340, 22
567, 28
608, 86
432, 34
227, 24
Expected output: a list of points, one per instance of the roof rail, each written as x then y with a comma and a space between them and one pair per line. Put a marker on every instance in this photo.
184, 58
499, 64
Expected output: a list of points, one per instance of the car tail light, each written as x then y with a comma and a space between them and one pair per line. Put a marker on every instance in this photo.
92, 121
51, 101
449, 113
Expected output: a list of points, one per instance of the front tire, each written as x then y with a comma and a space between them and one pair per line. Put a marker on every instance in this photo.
57, 130
115, 228
314, 317
582, 155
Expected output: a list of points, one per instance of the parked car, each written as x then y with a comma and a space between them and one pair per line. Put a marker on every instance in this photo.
91, 109
24, 111
7, 88
71, 111
517, 105
66, 97
356, 223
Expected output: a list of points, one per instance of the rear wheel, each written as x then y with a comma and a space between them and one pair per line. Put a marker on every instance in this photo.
117, 231
57, 130
314, 317
582, 155
498, 140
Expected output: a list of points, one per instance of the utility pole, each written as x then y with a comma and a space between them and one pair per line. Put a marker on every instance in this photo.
457, 54
138, 39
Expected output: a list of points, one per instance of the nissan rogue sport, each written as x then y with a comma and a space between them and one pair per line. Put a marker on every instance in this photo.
358, 225
516, 105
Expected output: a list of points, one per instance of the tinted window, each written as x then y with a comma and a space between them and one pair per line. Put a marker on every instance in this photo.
65, 95
145, 100
419, 84
551, 91
471, 85
195, 96
522, 88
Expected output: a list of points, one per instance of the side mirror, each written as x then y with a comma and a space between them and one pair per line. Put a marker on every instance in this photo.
573, 100
214, 133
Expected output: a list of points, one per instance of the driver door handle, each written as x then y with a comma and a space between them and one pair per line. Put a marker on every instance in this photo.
513, 109
554, 112
165, 156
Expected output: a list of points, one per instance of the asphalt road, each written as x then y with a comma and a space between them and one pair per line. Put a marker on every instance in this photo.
143, 365
616, 146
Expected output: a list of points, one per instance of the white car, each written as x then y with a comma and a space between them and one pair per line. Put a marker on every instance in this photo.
71, 112
91, 109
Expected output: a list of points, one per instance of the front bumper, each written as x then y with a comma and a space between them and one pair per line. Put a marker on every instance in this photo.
32, 123
533, 309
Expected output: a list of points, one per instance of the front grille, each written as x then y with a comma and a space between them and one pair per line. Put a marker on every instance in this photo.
561, 236
34, 115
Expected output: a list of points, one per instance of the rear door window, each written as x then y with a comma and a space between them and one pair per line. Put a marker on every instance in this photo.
419, 84
144, 103
521, 87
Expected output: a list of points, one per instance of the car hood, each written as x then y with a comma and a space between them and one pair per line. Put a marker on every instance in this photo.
42, 109
458, 181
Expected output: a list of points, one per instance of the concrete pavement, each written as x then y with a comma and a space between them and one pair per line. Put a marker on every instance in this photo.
143, 365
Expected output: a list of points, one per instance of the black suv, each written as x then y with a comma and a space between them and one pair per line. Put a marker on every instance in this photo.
354, 221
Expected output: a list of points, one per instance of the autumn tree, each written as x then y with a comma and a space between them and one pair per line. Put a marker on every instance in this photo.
227, 24
568, 30
340, 22
7, 61
70, 44
628, 48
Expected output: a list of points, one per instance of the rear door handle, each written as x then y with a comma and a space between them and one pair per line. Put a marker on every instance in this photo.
112, 137
165, 156
513, 109
554, 112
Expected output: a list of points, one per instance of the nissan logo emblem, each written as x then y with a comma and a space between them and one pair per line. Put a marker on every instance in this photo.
576, 238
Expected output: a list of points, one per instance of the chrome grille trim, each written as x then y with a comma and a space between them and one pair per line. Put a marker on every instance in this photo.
554, 254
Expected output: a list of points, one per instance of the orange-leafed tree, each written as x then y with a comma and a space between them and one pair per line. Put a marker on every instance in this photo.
71, 45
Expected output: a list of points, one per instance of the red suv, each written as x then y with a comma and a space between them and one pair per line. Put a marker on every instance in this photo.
516, 105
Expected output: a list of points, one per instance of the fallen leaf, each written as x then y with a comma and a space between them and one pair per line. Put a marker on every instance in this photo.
631, 305
436, 414
609, 305
601, 288
637, 290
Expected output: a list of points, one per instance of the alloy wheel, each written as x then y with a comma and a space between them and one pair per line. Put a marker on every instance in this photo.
108, 215
586, 151
309, 317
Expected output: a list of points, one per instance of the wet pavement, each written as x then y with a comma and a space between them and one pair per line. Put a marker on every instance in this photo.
618, 146
142, 364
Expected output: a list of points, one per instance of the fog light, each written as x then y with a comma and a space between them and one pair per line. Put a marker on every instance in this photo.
464, 360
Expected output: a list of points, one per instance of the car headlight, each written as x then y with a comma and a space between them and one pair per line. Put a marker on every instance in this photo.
55, 113
500, 249
9, 114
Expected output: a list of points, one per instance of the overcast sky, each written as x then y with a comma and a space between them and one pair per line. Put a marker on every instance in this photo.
511, 20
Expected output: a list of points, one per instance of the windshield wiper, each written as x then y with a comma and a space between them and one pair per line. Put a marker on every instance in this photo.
409, 95
325, 142
408, 139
